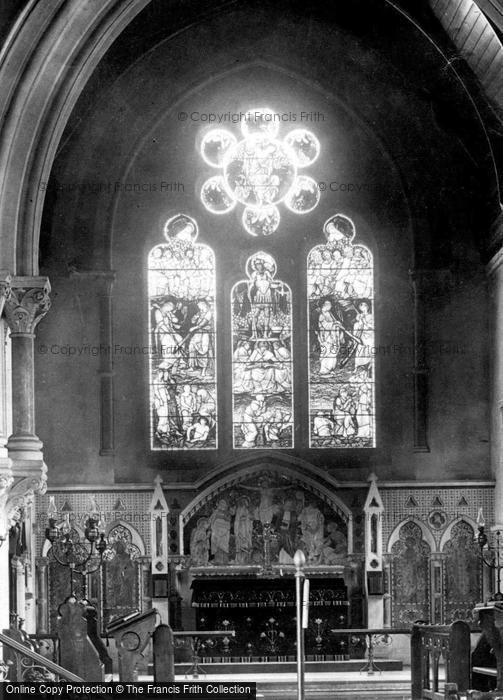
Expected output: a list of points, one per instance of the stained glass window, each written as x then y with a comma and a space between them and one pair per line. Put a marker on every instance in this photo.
262, 358
181, 288
341, 339
260, 171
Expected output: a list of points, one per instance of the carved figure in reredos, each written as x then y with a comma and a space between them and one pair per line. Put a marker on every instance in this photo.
312, 523
243, 530
200, 543
220, 525
265, 520
335, 545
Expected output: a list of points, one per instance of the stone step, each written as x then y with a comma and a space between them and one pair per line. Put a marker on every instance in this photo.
336, 689
346, 666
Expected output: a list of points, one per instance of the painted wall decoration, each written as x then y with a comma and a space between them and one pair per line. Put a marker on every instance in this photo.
121, 575
410, 576
463, 575
341, 339
183, 394
262, 358
262, 522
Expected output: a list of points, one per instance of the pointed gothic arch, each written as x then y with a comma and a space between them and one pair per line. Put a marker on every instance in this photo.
319, 488
426, 534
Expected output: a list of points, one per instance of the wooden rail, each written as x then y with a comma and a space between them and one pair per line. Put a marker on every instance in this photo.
372, 636
39, 660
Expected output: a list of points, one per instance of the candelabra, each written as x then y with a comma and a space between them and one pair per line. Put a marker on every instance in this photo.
83, 557
491, 552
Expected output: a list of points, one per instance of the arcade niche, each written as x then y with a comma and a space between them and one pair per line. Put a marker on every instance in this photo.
239, 543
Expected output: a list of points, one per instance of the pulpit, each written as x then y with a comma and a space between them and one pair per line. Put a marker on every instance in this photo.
132, 633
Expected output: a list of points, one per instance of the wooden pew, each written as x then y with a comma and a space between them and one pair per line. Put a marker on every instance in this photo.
429, 645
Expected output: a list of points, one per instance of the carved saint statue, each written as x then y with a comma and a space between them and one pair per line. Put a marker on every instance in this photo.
243, 530
200, 543
220, 524
311, 523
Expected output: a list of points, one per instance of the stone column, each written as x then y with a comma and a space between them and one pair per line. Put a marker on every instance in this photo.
5, 288
4, 585
387, 591
30, 579
5, 380
24, 308
437, 592
6, 478
42, 595
18, 566
145, 587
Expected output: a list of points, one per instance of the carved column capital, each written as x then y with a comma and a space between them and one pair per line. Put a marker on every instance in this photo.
6, 481
27, 304
18, 564
18, 498
5, 288
29, 485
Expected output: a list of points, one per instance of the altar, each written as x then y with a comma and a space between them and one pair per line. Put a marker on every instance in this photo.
261, 611
238, 573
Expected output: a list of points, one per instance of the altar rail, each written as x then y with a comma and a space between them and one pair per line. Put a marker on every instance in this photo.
20, 663
429, 645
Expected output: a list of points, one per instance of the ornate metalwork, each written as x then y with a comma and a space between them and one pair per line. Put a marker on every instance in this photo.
272, 636
23, 663
491, 552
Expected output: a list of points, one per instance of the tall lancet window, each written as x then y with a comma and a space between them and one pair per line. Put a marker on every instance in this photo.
341, 339
262, 358
181, 289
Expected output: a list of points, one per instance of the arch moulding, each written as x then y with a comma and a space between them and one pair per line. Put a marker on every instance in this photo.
320, 488
47, 59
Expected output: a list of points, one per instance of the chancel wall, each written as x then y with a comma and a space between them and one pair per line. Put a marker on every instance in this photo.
230, 545
405, 166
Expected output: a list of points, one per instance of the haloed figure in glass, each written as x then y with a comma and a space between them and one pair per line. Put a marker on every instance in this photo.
262, 358
341, 339
182, 324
